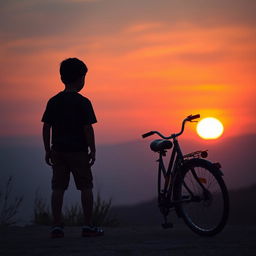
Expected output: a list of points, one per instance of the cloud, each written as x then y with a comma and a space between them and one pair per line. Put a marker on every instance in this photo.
147, 61
20, 19
81, 1
143, 27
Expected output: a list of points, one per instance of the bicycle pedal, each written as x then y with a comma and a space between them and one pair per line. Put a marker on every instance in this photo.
167, 225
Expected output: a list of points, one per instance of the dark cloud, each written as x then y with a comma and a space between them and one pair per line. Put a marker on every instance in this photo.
21, 19
40, 18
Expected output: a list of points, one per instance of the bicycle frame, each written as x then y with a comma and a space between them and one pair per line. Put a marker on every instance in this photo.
177, 190
165, 195
176, 160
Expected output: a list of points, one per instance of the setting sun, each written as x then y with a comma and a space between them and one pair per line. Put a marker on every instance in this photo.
209, 128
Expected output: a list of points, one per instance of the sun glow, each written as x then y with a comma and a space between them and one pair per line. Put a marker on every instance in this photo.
209, 128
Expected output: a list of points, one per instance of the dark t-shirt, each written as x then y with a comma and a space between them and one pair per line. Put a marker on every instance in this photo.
68, 113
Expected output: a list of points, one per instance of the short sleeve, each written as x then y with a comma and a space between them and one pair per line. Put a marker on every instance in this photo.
48, 114
88, 113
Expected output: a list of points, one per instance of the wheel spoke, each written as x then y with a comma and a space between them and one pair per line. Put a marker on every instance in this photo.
208, 213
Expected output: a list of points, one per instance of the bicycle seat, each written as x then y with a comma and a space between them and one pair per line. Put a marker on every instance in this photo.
160, 145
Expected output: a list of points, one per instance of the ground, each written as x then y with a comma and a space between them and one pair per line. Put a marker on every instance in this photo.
35, 240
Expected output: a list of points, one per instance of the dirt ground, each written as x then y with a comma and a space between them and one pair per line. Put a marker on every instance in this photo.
234, 240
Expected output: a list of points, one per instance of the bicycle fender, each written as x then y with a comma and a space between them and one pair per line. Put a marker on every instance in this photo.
203, 162
186, 165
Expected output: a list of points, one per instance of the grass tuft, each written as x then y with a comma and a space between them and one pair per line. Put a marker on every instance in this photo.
9, 207
73, 214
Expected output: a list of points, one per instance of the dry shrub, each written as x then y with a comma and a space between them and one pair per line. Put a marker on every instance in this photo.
73, 214
9, 207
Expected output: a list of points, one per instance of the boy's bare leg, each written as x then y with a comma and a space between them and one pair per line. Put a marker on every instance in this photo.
57, 201
87, 204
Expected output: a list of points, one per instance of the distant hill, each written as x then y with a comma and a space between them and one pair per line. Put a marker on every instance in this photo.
131, 168
242, 210
125, 172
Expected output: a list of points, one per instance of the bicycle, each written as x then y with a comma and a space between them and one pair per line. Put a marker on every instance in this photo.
193, 186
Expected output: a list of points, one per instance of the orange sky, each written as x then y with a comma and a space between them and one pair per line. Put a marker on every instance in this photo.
150, 63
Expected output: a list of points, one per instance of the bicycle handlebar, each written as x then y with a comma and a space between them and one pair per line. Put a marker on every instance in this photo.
148, 134
188, 118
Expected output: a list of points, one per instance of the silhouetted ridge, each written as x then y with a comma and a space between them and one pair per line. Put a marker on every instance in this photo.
242, 210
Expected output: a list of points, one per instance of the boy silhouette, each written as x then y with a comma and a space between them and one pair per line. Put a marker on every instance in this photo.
69, 144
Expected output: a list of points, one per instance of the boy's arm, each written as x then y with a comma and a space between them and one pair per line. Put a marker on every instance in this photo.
90, 138
47, 145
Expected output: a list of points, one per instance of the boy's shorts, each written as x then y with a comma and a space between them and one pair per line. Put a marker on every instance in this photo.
75, 162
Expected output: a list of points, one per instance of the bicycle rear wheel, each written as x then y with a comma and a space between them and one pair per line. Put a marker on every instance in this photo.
204, 197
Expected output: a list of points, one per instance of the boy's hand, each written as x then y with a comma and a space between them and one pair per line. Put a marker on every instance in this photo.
91, 158
48, 159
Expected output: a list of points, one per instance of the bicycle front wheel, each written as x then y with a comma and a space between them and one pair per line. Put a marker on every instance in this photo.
203, 197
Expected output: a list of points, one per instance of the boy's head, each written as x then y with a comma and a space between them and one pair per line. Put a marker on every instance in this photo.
72, 72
